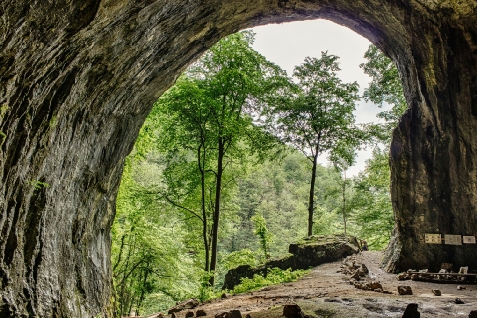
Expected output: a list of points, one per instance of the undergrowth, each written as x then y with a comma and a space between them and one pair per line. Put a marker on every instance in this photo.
274, 276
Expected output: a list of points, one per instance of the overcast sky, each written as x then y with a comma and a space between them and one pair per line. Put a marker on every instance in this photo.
288, 44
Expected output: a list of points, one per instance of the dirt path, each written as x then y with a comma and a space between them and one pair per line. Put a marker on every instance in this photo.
326, 293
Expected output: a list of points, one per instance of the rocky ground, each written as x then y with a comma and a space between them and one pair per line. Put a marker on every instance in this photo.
327, 292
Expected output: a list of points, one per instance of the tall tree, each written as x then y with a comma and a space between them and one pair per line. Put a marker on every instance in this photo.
342, 190
214, 105
319, 116
385, 88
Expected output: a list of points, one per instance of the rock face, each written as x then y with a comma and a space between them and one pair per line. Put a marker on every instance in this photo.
311, 252
77, 79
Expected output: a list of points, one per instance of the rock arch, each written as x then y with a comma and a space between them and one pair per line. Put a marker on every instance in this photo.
77, 79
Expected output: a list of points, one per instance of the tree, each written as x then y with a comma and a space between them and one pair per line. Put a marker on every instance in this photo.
318, 117
263, 234
384, 88
342, 189
213, 106
151, 266
372, 201
278, 190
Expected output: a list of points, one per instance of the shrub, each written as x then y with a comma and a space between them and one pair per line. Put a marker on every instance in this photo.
274, 276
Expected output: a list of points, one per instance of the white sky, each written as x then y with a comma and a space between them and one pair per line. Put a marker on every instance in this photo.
288, 44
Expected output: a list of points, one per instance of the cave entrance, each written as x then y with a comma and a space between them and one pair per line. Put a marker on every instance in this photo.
74, 93
153, 221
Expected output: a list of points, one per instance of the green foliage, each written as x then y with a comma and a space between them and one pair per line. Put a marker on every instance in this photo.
53, 122
327, 222
372, 201
274, 276
278, 190
152, 266
318, 116
384, 88
206, 291
168, 193
208, 130
264, 236
37, 185
242, 257
343, 190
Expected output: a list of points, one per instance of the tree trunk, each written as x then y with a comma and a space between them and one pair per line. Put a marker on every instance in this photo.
77, 79
143, 290
344, 202
215, 226
201, 163
311, 198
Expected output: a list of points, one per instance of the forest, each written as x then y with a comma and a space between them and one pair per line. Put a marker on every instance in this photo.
225, 171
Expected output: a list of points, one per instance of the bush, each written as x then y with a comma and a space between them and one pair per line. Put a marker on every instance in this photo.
274, 276
235, 259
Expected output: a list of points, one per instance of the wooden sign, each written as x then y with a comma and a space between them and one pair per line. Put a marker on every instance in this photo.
468, 239
453, 239
433, 238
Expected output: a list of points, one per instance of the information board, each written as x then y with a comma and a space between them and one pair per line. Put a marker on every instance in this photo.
453, 239
468, 239
433, 238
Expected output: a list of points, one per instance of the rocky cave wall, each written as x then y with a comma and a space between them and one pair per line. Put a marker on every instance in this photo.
77, 79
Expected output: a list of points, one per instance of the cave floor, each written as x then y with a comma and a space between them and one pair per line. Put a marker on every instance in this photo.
326, 292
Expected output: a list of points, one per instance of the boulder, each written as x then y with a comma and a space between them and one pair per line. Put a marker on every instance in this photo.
436, 292
292, 311
375, 285
364, 269
404, 290
411, 311
318, 249
310, 252
403, 276
186, 304
230, 314
355, 275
